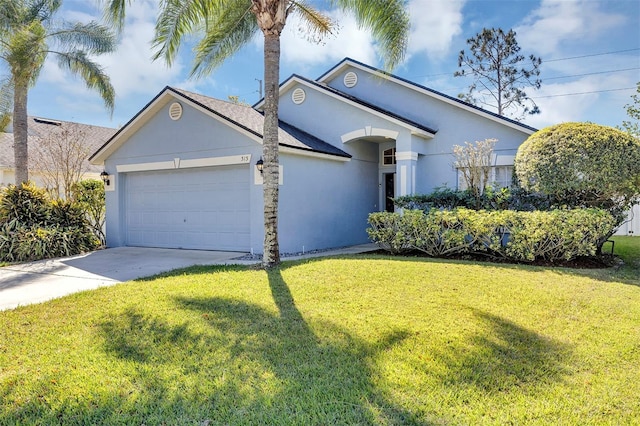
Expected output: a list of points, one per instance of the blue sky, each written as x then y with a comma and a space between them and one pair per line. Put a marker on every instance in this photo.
590, 51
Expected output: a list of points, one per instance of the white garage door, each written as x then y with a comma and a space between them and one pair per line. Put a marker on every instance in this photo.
205, 208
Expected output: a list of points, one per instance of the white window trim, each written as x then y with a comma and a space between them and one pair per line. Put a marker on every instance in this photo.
461, 184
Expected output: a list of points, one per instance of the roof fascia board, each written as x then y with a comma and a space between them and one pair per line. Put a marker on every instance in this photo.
317, 86
284, 149
378, 73
220, 117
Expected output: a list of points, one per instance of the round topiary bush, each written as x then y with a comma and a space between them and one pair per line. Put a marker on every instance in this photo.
582, 165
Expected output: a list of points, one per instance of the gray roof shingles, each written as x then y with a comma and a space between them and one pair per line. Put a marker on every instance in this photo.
39, 128
253, 121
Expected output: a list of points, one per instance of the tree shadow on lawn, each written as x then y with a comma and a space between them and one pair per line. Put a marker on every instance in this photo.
235, 362
502, 356
230, 362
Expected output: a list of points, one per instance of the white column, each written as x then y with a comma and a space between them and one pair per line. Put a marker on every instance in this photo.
406, 171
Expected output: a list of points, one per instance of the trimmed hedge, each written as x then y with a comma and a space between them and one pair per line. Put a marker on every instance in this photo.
518, 236
514, 198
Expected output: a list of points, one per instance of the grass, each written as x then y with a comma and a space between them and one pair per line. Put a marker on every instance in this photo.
356, 340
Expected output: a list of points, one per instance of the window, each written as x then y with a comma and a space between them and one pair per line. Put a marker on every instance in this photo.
389, 157
500, 176
462, 183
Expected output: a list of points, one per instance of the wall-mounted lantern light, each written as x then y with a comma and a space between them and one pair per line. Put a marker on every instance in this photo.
260, 165
105, 177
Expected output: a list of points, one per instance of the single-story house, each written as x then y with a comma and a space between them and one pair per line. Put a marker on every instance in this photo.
183, 174
52, 142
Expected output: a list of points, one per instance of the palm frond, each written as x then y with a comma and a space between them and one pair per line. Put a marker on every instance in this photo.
114, 12
24, 51
177, 18
8, 13
389, 23
6, 102
40, 10
226, 33
93, 74
317, 24
225, 26
93, 38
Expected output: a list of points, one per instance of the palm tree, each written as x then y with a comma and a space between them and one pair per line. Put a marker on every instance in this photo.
227, 25
28, 34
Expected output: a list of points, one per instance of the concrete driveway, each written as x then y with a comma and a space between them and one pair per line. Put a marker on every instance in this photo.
37, 282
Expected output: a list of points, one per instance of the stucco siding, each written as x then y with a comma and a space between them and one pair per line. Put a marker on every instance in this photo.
325, 196
324, 203
454, 124
328, 118
194, 136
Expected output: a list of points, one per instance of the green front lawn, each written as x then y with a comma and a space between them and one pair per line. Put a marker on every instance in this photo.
359, 340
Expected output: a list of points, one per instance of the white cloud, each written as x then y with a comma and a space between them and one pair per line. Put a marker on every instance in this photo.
434, 24
349, 40
560, 109
556, 22
131, 68
78, 16
583, 99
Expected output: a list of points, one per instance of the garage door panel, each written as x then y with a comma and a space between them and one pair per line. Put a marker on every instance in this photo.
196, 208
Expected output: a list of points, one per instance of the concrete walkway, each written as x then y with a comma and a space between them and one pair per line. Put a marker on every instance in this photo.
36, 282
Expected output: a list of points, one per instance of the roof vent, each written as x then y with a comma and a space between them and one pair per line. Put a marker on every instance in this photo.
175, 111
350, 79
47, 121
298, 96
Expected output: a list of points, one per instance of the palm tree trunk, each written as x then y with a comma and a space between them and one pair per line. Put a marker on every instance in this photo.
20, 134
271, 256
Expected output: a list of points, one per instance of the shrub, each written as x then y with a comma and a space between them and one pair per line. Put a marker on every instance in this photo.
66, 214
387, 231
518, 236
440, 198
26, 203
437, 233
515, 198
52, 241
557, 234
33, 227
582, 165
89, 194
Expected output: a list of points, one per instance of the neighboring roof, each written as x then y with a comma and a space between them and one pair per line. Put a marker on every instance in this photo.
321, 82
240, 116
40, 129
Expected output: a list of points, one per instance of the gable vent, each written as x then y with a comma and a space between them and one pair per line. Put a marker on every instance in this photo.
298, 96
350, 79
175, 111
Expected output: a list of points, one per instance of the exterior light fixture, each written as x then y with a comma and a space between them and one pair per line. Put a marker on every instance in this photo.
105, 177
260, 165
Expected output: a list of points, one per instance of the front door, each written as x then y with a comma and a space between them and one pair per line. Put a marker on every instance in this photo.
389, 191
